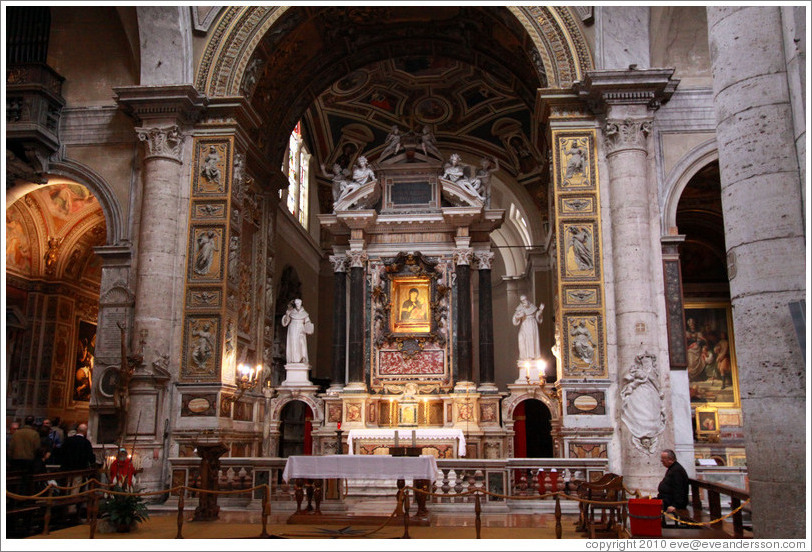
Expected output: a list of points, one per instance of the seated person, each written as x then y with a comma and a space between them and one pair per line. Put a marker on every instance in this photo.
122, 469
673, 489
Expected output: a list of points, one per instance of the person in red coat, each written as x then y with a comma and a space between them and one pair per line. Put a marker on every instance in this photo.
122, 469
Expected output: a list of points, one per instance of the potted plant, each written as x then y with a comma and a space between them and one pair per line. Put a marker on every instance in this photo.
123, 511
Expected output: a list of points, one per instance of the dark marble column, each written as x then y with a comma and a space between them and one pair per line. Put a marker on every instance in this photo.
462, 260
486, 375
355, 348
339, 319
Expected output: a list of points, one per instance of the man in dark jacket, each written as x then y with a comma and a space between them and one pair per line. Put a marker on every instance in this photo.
23, 446
673, 489
77, 452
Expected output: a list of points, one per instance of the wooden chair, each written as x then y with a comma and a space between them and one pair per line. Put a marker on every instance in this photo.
583, 491
608, 489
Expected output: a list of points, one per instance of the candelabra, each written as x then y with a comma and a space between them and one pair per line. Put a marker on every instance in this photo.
247, 380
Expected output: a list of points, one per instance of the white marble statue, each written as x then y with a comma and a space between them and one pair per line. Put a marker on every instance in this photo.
528, 317
393, 145
361, 173
643, 408
204, 256
299, 326
429, 143
482, 178
339, 178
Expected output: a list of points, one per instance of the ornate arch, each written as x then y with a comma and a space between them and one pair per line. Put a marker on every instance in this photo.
84, 175
691, 163
278, 403
554, 31
510, 403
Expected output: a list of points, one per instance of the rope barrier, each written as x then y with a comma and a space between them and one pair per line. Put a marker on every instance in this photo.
707, 523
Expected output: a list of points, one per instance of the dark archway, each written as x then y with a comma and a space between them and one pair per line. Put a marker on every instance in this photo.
533, 430
295, 438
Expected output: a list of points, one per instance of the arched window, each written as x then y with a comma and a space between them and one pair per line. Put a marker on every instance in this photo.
297, 163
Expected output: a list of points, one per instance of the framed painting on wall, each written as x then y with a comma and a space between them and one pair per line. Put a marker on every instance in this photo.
707, 421
712, 373
85, 357
411, 305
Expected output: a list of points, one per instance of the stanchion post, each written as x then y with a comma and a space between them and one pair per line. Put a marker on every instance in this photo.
93, 511
557, 516
406, 514
478, 512
46, 524
181, 504
266, 510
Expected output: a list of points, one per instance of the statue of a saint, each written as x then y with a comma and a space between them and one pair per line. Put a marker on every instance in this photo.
339, 178
362, 172
206, 246
211, 170
299, 326
528, 316
429, 143
393, 145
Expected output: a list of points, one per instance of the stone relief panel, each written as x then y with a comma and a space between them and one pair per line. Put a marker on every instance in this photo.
578, 205
334, 413
198, 405
582, 296
583, 345
206, 253
212, 167
201, 348
209, 210
579, 250
577, 167
204, 298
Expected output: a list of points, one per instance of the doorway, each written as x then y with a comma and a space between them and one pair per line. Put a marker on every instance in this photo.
295, 437
533, 430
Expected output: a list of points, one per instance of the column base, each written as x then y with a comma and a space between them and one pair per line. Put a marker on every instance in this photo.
487, 388
465, 387
355, 387
335, 389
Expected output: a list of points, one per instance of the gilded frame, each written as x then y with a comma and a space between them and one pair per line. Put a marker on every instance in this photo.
411, 309
707, 421
711, 383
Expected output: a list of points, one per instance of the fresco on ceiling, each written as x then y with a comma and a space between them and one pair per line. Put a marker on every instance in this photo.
424, 66
18, 245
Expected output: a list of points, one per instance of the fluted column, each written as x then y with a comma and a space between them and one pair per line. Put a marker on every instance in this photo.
486, 371
355, 347
339, 263
764, 236
462, 262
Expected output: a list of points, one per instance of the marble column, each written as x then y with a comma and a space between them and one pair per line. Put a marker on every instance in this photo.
764, 236
355, 346
157, 252
627, 100
486, 372
462, 262
339, 321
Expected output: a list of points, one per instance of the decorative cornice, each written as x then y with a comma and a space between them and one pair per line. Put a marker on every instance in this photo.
162, 143
147, 103
629, 134
484, 259
463, 256
648, 87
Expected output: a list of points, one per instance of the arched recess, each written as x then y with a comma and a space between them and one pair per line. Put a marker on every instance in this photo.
681, 174
84, 175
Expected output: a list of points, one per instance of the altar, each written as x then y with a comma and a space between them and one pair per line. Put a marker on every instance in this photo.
430, 441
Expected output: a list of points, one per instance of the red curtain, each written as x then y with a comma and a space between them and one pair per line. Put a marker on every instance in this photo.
520, 438
308, 428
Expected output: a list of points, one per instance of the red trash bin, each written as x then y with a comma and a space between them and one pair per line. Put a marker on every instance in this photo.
645, 517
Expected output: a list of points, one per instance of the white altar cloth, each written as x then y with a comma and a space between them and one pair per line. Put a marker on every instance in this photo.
339, 466
405, 436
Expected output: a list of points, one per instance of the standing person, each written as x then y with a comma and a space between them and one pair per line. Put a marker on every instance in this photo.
12, 429
77, 452
673, 489
22, 451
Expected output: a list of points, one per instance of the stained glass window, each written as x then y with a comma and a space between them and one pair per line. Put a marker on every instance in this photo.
296, 168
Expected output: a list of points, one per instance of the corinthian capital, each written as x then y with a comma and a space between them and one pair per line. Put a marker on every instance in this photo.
626, 134
162, 142
339, 263
357, 258
463, 256
484, 259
